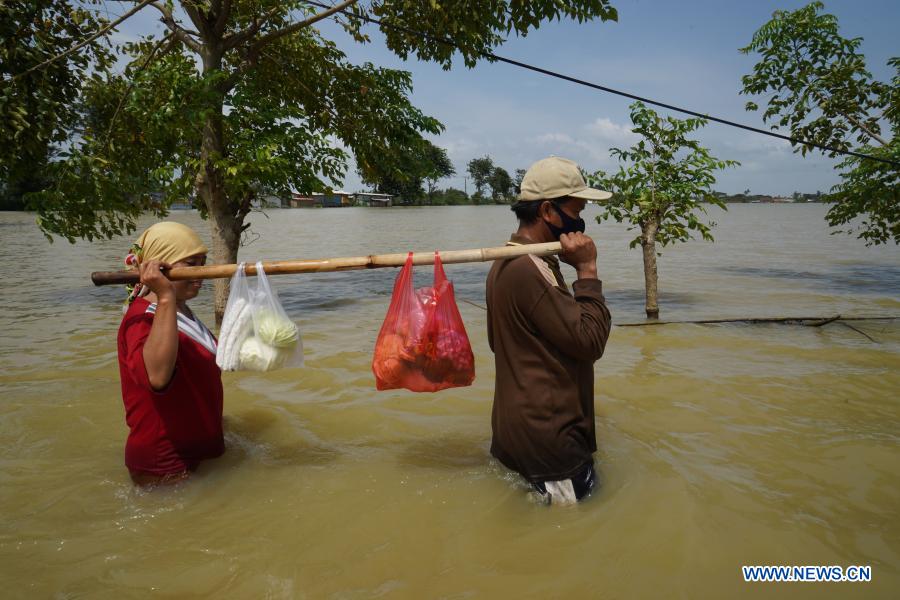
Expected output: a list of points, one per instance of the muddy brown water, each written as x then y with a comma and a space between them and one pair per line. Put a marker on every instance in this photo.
720, 446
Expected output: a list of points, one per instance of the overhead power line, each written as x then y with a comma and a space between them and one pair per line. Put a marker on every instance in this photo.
603, 88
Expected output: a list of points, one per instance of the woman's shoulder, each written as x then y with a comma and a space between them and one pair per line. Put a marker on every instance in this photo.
138, 311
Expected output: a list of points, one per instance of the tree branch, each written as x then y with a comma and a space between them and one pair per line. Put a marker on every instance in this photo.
197, 19
853, 120
866, 130
271, 37
244, 208
858, 331
757, 320
176, 29
222, 18
236, 39
820, 99
84, 43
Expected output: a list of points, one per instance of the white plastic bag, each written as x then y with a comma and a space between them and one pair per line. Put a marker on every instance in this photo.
257, 356
237, 323
257, 333
276, 339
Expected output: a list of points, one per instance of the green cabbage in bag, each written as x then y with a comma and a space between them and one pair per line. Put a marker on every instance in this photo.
275, 330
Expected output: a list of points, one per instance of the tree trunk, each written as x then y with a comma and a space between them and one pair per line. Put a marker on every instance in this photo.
226, 237
648, 245
224, 220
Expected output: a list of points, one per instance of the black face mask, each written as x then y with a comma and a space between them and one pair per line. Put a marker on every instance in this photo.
569, 224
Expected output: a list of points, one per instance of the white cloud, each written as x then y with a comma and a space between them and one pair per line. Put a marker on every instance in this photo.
588, 153
554, 138
589, 144
618, 135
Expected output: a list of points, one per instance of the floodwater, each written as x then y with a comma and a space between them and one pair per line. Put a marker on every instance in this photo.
720, 445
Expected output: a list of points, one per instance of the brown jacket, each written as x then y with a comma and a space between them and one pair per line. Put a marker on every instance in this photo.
545, 342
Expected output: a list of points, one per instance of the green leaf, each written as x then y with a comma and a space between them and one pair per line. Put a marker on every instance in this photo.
818, 86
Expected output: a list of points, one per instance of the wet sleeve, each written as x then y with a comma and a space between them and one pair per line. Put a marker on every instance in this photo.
578, 325
136, 332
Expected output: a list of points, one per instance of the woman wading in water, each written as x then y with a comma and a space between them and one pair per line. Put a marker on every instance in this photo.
171, 386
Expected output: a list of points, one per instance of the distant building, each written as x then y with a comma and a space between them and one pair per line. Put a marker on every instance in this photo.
372, 199
337, 199
180, 204
332, 200
301, 201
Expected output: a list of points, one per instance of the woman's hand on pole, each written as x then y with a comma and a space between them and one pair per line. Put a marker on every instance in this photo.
152, 277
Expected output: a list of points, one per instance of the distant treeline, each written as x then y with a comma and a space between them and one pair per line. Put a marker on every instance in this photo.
453, 197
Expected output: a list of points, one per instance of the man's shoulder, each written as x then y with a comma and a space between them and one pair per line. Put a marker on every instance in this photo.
527, 269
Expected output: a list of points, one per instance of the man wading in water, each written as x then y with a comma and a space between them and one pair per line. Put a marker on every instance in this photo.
545, 339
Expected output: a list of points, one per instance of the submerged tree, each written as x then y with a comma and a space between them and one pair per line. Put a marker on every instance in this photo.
422, 163
501, 184
401, 179
440, 167
517, 180
660, 188
480, 170
820, 88
238, 95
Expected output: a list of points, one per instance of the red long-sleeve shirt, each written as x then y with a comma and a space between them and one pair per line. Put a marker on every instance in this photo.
173, 429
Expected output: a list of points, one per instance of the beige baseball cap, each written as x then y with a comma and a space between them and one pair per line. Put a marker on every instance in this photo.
555, 177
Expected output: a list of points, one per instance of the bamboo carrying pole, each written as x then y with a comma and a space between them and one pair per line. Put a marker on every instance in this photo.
325, 265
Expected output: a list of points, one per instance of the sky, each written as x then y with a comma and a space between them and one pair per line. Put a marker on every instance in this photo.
683, 53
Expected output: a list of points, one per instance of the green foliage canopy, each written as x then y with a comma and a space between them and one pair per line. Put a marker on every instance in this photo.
440, 167
480, 170
282, 119
501, 185
39, 106
664, 179
820, 88
405, 176
240, 95
475, 27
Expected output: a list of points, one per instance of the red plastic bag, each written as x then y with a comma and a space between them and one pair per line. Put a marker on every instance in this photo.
422, 345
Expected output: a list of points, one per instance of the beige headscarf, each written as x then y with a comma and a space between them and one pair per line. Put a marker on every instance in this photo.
169, 242
165, 241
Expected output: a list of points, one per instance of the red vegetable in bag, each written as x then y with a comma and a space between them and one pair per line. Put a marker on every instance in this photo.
422, 345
